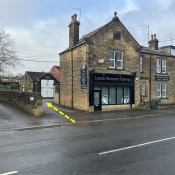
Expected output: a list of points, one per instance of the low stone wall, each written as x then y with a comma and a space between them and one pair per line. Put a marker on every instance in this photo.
30, 102
165, 106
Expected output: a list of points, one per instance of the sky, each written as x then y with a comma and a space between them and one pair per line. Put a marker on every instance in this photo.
40, 27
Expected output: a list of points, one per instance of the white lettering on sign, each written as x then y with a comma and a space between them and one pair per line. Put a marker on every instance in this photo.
106, 78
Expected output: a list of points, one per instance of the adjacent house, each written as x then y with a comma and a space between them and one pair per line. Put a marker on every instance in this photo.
40, 82
55, 71
107, 69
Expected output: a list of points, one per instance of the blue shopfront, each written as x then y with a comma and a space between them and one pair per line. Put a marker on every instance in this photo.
108, 89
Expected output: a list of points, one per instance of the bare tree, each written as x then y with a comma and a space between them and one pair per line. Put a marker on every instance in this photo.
8, 58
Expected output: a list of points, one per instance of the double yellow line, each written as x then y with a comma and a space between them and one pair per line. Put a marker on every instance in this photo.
60, 112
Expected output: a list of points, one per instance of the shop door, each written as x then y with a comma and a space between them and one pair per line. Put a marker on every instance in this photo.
97, 100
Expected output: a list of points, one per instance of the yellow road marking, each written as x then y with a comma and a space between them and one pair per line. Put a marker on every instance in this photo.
62, 113
73, 121
67, 116
49, 105
56, 109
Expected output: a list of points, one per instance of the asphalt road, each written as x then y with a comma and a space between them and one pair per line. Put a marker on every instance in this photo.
134, 146
124, 143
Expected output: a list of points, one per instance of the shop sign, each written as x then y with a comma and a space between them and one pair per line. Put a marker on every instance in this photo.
161, 78
83, 76
112, 78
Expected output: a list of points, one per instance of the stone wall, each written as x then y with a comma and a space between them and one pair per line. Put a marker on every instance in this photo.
98, 45
30, 102
145, 76
71, 94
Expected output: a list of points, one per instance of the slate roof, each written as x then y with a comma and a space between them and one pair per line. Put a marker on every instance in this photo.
84, 39
58, 67
168, 46
146, 50
35, 76
51, 76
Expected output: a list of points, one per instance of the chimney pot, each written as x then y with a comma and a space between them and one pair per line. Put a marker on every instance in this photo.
115, 14
72, 18
151, 37
75, 17
154, 36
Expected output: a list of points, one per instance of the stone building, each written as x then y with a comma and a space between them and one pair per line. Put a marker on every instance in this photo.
55, 71
40, 82
107, 69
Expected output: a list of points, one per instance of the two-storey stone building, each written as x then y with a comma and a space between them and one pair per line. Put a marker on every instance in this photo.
107, 69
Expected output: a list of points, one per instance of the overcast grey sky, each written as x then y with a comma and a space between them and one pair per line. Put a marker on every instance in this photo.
40, 27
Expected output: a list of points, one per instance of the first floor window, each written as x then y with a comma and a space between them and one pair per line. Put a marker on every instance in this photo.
115, 59
160, 66
161, 90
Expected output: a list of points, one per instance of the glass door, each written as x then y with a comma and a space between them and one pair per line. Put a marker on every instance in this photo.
97, 100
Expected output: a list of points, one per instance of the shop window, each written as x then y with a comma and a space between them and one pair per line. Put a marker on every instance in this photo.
126, 98
160, 66
143, 88
115, 59
161, 90
112, 95
119, 95
105, 95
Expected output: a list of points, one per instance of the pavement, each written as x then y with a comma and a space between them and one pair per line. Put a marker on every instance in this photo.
12, 118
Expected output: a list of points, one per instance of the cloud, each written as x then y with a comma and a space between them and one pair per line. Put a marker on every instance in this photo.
130, 6
40, 28
163, 4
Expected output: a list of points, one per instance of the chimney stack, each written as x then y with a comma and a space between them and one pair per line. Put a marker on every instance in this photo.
153, 43
73, 31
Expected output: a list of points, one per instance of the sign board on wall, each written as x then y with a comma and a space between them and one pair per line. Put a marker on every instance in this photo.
161, 78
112, 78
83, 76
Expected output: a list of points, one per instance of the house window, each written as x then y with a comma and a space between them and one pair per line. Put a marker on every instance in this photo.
115, 59
143, 88
56, 89
160, 66
117, 36
141, 66
161, 90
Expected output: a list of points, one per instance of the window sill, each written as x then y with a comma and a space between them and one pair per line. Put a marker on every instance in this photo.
162, 73
115, 69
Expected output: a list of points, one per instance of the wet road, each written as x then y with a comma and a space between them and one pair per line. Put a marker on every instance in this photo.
140, 145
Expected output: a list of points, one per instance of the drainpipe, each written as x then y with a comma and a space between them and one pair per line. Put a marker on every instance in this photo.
72, 103
149, 83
